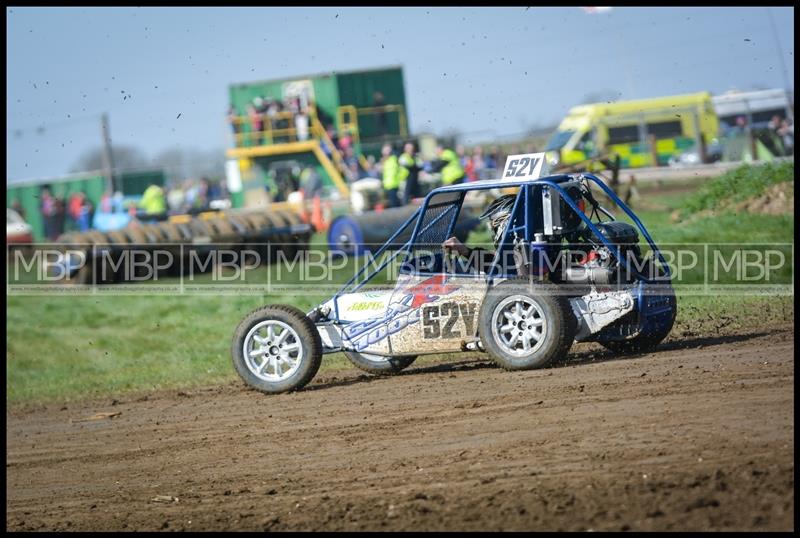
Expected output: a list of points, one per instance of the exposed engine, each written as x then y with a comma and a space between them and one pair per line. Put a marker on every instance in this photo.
591, 262
576, 255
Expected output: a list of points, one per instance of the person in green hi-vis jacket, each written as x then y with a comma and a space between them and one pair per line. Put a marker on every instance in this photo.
392, 177
153, 200
449, 166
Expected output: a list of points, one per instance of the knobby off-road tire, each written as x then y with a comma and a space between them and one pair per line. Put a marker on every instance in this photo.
378, 365
526, 325
276, 348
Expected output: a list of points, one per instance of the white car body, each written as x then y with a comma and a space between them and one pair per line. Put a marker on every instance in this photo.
17, 230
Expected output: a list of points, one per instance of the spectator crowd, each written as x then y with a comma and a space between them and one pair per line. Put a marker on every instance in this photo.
777, 134
268, 120
271, 121
75, 211
782, 132
61, 214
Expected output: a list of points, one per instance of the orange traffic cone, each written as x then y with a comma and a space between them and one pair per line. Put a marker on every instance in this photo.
316, 215
303, 213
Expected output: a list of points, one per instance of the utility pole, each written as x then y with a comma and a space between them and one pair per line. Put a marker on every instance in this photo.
108, 155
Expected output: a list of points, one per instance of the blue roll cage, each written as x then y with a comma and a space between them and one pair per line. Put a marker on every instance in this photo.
524, 195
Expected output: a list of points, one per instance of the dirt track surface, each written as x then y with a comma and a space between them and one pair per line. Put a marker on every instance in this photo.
693, 437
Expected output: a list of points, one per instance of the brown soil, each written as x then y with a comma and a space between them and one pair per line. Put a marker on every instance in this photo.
777, 200
696, 436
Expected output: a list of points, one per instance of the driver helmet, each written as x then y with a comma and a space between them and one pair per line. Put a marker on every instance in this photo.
498, 214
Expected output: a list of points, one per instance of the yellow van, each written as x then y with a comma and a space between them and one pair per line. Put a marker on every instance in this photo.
644, 132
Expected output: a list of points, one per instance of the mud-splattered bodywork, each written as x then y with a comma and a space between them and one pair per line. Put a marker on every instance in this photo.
423, 314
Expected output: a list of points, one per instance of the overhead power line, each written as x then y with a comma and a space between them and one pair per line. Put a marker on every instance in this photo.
45, 127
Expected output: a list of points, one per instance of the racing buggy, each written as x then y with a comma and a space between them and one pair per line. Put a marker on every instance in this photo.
563, 270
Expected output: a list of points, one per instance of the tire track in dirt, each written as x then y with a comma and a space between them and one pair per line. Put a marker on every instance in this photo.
681, 439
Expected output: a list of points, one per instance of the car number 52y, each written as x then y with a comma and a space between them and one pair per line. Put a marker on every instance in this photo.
447, 313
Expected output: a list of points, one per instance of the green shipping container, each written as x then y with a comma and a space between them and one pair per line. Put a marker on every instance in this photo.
333, 90
93, 185
28, 193
363, 90
360, 90
134, 183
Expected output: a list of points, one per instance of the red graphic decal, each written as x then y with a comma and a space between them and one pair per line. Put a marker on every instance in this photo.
430, 290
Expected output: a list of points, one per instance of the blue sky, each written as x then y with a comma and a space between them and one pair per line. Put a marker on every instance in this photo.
487, 72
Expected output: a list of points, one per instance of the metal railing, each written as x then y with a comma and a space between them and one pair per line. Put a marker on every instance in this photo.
245, 135
320, 133
399, 109
348, 118
281, 128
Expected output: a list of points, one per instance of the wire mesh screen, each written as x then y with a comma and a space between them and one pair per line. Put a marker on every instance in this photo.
434, 228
